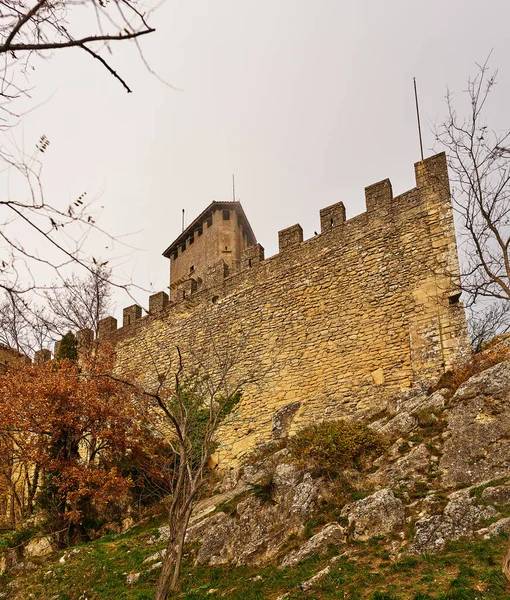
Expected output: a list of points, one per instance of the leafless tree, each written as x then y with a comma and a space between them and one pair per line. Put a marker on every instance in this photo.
23, 326
42, 238
479, 163
195, 391
485, 322
29, 28
80, 302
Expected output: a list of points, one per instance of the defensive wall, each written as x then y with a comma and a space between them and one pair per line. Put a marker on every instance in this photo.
340, 322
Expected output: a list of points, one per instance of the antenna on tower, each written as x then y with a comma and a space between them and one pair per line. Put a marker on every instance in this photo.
418, 116
233, 187
183, 211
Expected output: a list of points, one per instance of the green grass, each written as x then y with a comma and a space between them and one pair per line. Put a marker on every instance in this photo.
465, 570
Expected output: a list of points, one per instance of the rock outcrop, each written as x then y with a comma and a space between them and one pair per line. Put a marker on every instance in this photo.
379, 514
438, 444
251, 529
477, 447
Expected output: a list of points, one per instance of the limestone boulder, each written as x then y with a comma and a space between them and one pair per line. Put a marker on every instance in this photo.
459, 519
477, 446
411, 466
254, 530
402, 424
499, 495
332, 534
503, 525
434, 401
379, 514
39, 546
283, 418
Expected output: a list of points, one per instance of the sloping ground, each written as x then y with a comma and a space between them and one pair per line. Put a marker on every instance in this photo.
468, 570
428, 520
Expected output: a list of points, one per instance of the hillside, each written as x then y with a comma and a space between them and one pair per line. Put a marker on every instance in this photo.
413, 505
465, 570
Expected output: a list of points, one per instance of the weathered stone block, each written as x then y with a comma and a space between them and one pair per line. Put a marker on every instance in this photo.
252, 256
158, 302
332, 216
131, 314
106, 327
378, 196
290, 237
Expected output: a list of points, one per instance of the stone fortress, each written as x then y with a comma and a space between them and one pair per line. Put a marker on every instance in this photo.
344, 321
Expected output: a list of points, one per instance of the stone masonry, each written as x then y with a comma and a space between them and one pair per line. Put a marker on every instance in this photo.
219, 234
340, 322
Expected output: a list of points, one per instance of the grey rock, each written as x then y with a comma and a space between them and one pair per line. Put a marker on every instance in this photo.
257, 530
70, 554
503, 525
39, 546
219, 531
477, 447
499, 494
156, 556
435, 400
401, 424
416, 462
306, 585
132, 578
458, 520
283, 418
378, 514
332, 534
163, 533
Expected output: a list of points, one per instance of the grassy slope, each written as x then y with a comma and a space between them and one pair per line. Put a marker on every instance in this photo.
464, 571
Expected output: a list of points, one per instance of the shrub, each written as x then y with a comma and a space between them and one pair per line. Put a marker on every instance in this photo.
477, 363
333, 446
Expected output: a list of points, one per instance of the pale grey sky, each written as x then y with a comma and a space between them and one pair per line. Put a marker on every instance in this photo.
306, 101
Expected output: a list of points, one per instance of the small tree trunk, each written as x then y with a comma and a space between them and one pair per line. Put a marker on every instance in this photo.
506, 562
180, 547
165, 576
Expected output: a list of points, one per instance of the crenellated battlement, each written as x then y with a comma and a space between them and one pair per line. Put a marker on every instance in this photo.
364, 309
382, 211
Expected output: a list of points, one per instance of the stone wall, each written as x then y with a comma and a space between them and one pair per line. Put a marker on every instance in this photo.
338, 323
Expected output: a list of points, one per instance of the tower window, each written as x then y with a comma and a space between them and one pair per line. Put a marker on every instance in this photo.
200, 231
226, 215
454, 299
209, 222
192, 268
175, 254
191, 240
183, 248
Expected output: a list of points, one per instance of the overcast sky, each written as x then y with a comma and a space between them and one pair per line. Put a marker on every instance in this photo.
306, 101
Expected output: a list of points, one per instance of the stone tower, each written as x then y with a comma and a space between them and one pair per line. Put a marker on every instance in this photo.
213, 242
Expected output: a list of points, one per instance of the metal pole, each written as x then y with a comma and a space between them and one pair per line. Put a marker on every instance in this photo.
418, 116
183, 219
233, 188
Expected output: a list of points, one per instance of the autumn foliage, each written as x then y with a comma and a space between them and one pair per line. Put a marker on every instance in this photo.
76, 444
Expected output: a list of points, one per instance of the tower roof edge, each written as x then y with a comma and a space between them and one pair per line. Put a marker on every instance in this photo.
216, 205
